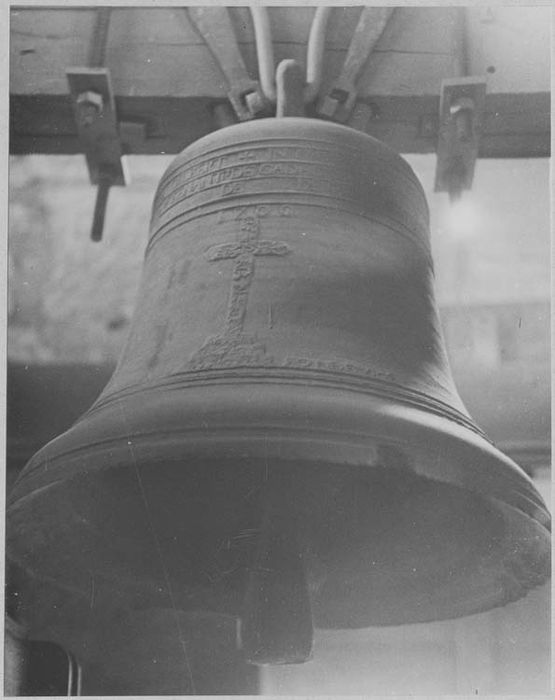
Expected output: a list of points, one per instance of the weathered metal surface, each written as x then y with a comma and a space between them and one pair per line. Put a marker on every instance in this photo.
286, 332
71, 302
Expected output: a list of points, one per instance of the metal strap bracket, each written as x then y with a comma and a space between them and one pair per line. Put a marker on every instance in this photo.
103, 139
461, 115
340, 99
95, 116
214, 26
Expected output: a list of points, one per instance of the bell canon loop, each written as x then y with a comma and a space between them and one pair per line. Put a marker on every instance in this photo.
281, 441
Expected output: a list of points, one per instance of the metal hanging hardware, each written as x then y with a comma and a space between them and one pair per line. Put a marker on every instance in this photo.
97, 127
289, 89
314, 52
101, 135
461, 114
339, 102
285, 377
214, 26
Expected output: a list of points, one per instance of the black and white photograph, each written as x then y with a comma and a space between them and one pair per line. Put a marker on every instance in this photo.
278, 349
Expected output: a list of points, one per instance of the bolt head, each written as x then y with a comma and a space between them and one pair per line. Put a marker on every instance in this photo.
89, 106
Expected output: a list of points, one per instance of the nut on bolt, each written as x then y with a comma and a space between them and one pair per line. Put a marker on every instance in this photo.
461, 111
89, 106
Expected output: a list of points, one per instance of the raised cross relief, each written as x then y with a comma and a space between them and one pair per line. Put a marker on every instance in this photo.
232, 346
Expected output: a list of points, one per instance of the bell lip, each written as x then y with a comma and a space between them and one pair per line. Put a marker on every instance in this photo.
476, 465
323, 619
275, 421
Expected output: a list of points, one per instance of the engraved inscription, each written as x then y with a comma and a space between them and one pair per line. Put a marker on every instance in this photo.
306, 174
226, 173
339, 366
231, 180
232, 353
232, 343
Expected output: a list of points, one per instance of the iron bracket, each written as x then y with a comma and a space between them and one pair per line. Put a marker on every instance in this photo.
339, 101
461, 116
103, 139
214, 25
97, 126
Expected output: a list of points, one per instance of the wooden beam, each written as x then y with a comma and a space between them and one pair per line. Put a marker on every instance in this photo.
165, 77
515, 125
156, 52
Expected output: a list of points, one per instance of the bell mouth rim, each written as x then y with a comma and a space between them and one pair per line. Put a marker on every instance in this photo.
513, 573
147, 596
337, 439
277, 420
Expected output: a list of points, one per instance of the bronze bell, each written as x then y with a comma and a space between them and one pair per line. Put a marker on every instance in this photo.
281, 441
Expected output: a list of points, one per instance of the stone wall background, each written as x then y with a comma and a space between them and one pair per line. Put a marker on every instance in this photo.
70, 299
